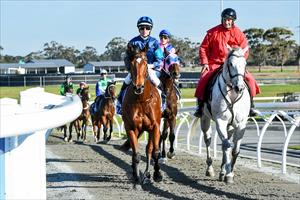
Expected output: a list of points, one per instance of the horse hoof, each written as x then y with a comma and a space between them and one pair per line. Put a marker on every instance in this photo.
157, 177
70, 140
210, 173
146, 178
162, 160
229, 179
171, 155
221, 177
66, 139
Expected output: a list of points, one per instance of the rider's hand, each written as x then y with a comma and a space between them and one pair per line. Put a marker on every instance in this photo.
204, 68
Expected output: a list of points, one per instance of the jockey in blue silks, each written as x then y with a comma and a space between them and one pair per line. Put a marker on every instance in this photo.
144, 25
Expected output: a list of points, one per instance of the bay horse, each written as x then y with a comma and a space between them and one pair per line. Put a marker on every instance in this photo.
141, 112
84, 117
105, 113
170, 74
230, 106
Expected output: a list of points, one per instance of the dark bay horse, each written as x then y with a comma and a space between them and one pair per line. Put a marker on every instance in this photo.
170, 73
141, 112
105, 113
84, 117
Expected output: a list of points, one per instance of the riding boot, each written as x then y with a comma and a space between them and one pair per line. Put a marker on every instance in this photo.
253, 112
199, 111
120, 98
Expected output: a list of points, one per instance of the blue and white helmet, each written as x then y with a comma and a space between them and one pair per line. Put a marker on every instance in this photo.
165, 32
145, 21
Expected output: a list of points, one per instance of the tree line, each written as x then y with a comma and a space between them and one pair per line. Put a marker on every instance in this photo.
267, 47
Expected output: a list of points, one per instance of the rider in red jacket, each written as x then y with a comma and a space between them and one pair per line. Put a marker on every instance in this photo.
213, 52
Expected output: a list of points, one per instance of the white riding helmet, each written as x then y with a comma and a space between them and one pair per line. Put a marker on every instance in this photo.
103, 71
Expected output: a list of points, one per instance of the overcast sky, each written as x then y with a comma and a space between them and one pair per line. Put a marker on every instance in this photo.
27, 25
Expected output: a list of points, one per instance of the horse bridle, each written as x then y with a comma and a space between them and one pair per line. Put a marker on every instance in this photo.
107, 93
229, 65
139, 58
230, 104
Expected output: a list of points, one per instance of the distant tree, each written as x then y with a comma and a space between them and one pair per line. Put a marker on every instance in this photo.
88, 54
281, 45
1, 49
258, 46
53, 50
114, 49
188, 50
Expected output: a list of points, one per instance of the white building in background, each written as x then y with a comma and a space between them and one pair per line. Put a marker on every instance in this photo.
57, 66
110, 66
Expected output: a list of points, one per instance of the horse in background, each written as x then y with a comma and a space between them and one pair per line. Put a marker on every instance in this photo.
229, 107
105, 113
68, 90
170, 74
141, 112
84, 117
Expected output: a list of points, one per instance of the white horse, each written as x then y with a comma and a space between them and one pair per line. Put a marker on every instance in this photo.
230, 106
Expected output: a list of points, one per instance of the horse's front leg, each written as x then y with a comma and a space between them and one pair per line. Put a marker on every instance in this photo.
105, 128
205, 127
162, 142
70, 131
135, 155
237, 139
110, 129
225, 174
149, 150
171, 153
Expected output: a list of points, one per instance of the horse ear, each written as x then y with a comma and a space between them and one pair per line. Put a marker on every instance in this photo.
114, 82
166, 53
146, 48
129, 47
177, 51
228, 47
245, 49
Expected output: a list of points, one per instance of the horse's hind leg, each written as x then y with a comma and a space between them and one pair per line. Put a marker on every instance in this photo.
205, 125
156, 138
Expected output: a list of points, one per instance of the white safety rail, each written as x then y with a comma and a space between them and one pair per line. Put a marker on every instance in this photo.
22, 140
269, 111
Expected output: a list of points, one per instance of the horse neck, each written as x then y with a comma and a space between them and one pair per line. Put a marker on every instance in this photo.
167, 82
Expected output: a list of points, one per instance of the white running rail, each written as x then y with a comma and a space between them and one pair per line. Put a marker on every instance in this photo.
22, 140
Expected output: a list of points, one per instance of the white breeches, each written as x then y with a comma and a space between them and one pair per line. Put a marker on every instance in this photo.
152, 75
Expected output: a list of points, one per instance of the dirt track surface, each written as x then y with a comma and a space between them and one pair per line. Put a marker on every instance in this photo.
101, 171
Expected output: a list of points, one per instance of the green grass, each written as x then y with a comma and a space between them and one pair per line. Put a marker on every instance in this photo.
267, 90
296, 147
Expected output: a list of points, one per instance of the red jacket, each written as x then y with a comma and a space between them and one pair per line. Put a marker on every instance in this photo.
213, 49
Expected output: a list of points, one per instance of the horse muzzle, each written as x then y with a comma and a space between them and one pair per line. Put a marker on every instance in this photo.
138, 89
